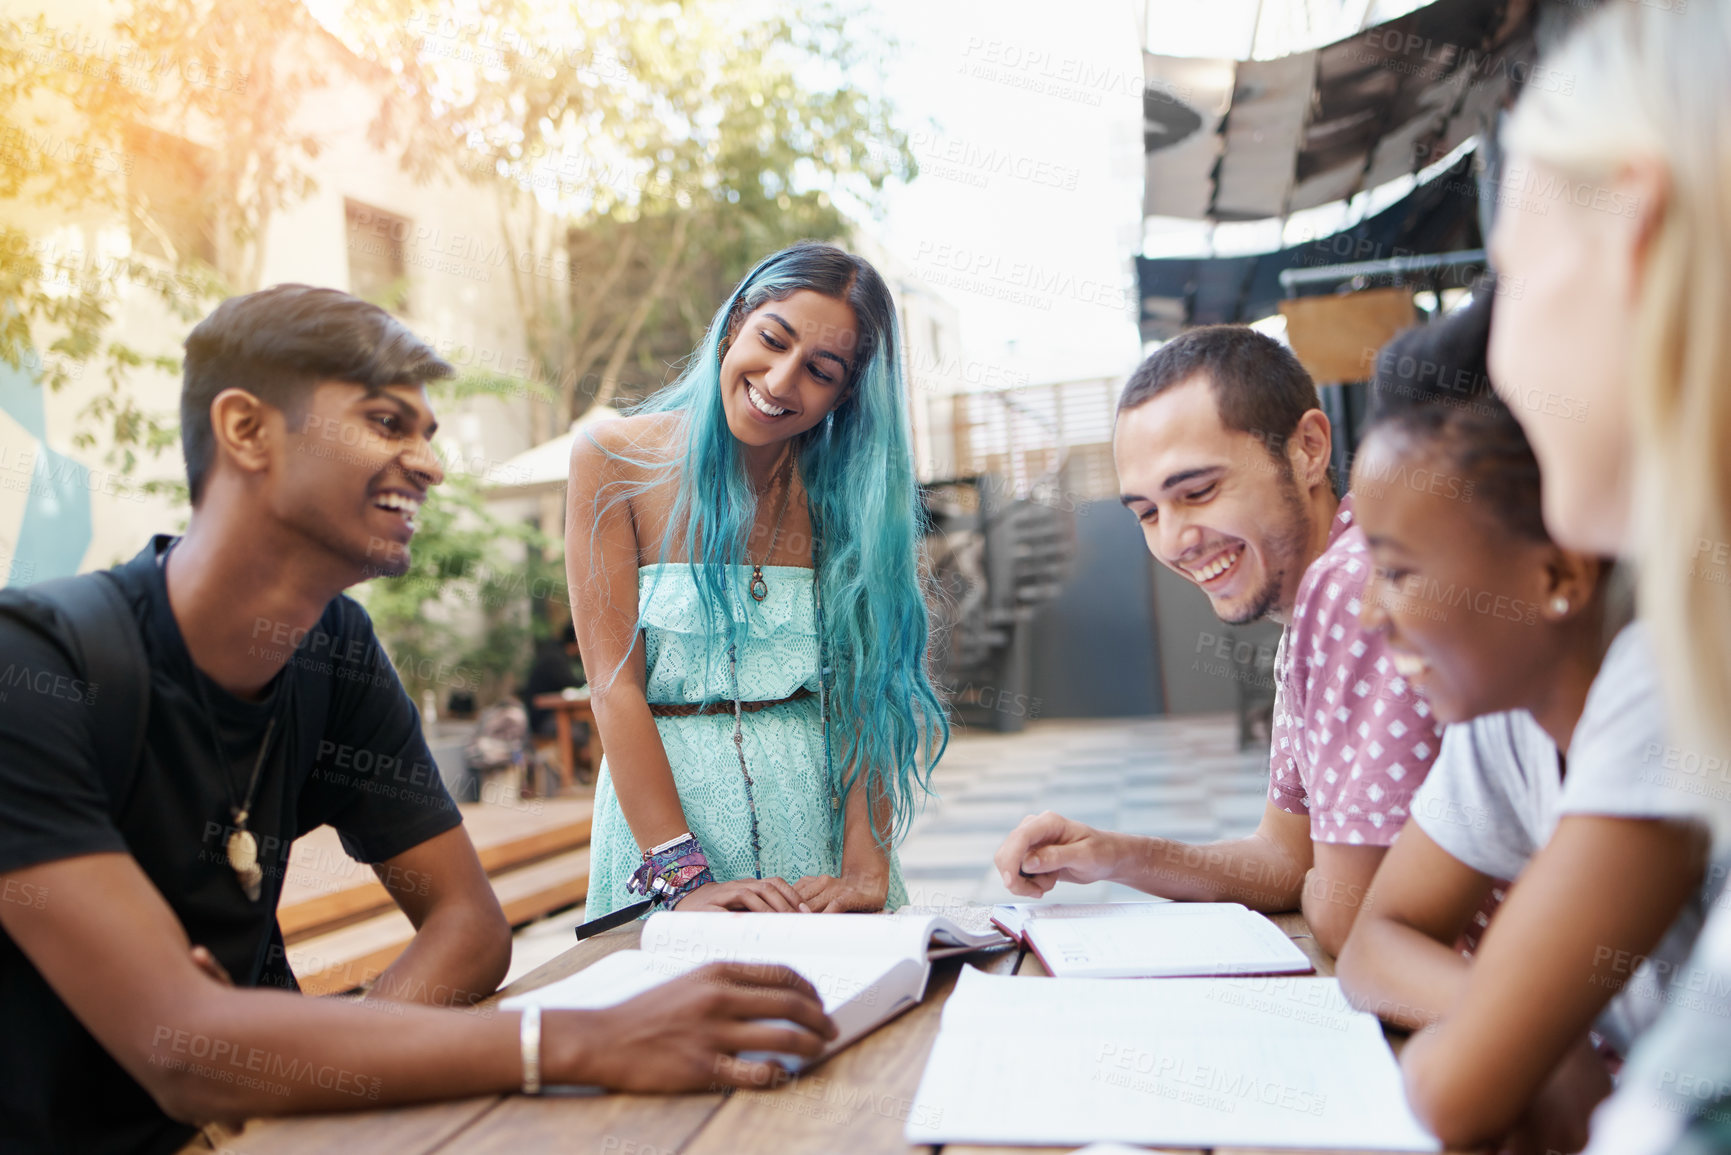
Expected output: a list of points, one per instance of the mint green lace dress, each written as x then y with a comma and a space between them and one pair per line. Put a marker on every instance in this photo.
783, 743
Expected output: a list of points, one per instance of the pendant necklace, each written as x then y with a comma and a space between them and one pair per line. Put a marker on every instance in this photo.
242, 844
822, 695
759, 587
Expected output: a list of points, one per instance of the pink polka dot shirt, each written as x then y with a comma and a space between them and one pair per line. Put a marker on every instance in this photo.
1352, 740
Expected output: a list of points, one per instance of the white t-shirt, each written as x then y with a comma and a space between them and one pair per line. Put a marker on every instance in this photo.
1496, 793
1491, 798
1619, 760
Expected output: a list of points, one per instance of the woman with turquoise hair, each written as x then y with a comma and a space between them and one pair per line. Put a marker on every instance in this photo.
743, 559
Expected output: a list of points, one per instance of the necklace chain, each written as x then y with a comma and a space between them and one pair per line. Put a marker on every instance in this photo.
759, 587
242, 844
822, 703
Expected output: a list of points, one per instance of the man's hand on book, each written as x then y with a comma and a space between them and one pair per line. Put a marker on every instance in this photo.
764, 894
828, 895
687, 1034
1047, 849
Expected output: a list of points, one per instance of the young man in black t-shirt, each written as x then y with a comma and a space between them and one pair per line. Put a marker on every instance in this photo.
143, 984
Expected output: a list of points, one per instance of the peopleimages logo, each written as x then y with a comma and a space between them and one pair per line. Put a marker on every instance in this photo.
1034, 282
955, 158
47, 683
1038, 70
1523, 185
1202, 1084
1428, 594
1421, 54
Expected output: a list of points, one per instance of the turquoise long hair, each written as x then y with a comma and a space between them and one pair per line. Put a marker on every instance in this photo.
886, 721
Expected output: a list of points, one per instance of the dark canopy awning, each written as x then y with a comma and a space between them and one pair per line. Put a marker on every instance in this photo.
1437, 217
1246, 140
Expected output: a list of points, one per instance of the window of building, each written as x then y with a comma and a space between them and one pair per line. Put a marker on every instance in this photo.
378, 255
168, 191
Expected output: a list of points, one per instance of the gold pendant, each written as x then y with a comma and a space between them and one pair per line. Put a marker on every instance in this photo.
243, 860
759, 587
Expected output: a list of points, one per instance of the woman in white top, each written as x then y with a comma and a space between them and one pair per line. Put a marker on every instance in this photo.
1499, 625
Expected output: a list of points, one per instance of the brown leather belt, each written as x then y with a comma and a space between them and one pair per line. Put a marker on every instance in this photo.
688, 710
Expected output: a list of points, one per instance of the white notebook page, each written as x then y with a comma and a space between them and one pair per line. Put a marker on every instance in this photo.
1163, 939
626, 974
1270, 1062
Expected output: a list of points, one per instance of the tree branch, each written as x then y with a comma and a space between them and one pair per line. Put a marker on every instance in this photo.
640, 314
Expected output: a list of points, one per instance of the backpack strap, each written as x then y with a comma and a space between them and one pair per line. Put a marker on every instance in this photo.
108, 649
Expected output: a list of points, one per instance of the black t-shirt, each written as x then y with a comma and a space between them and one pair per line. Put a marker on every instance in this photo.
347, 750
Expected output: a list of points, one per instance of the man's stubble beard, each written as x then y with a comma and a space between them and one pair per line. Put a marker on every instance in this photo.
1281, 550
378, 558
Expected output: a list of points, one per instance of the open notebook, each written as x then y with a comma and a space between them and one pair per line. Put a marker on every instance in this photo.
1240, 1062
1128, 940
866, 968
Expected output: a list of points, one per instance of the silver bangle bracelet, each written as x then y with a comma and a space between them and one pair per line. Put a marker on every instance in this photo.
529, 1036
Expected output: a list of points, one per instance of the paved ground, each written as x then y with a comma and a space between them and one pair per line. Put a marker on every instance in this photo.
1177, 777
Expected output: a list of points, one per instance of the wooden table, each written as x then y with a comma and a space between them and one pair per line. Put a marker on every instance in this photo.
568, 706
856, 1102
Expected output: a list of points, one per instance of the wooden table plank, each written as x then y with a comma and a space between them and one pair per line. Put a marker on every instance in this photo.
1292, 924
859, 1100
398, 1130
601, 1124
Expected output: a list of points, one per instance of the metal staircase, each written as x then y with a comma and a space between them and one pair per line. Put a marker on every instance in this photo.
994, 558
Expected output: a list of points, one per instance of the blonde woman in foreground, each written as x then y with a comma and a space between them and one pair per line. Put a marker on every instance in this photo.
1614, 241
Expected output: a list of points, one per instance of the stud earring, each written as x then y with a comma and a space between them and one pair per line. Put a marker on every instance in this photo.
1559, 605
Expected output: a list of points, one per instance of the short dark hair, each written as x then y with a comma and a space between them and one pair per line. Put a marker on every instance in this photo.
1259, 386
1433, 382
277, 344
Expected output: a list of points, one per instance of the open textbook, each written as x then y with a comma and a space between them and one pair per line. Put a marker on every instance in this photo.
1128, 940
866, 968
1240, 1062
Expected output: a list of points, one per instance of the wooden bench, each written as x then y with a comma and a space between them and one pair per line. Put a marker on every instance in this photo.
341, 927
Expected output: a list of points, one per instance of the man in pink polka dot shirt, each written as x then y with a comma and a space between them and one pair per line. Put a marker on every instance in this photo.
1223, 456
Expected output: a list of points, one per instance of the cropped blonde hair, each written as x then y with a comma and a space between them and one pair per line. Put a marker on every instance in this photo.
1652, 82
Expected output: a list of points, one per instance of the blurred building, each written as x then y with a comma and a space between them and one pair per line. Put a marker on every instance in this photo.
432, 252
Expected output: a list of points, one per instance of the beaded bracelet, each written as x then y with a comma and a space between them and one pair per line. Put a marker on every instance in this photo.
671, 871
